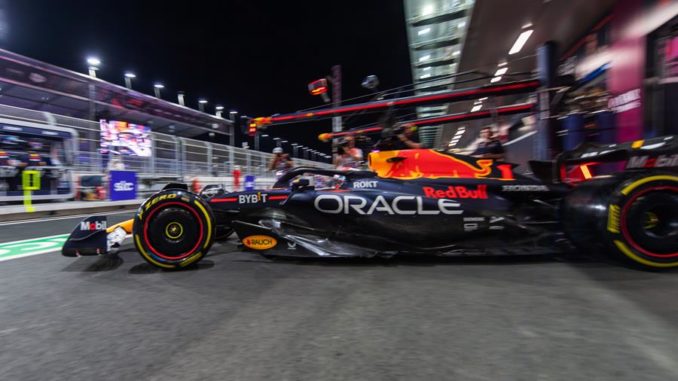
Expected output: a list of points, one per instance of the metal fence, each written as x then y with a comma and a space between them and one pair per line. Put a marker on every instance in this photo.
171, 156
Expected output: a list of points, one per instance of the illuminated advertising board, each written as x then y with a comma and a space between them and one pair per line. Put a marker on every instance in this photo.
125, 138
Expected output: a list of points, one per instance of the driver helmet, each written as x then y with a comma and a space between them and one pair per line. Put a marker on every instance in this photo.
277, 150
338, 181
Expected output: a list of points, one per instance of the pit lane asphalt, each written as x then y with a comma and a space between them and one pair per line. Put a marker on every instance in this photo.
238, 316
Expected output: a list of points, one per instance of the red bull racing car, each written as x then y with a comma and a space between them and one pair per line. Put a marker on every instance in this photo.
424, 202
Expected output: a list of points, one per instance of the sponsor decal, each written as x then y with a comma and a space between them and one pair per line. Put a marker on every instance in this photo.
88, 226
525, 188
400, 205
160, 198
470, 227
625, 102
595, 153
476, 223
653, 162
154, 201
458, 191
291, 245
428, 163
474, 219
252, 198
123, 186
259, 242
365, 184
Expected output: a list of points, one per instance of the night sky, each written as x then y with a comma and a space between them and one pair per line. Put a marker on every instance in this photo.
252, 56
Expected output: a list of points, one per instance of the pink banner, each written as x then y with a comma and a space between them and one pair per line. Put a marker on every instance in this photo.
632, 21
625, 80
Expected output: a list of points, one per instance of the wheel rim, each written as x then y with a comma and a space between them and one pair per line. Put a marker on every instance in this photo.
174, 232
650, 221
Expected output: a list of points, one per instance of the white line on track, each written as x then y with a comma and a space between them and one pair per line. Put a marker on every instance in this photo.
47, 219
2, 259
53, 244
38, 252
33, 239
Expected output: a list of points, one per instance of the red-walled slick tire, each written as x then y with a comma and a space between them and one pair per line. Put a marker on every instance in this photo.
173, 229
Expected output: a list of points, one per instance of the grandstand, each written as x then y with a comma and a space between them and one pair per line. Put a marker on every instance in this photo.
44, 98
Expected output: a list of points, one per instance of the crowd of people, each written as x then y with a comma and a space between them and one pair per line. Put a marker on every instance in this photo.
350, 157
18, 154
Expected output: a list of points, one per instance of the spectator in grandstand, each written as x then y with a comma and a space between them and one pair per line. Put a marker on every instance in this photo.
280, 161
54, 155
4, 158
489, 146
349, 156
31, 159
12, 171
116, 163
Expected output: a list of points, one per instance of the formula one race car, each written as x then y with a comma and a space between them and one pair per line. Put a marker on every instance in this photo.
424, 202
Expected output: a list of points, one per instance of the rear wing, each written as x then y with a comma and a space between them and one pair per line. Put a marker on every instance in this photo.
660, 152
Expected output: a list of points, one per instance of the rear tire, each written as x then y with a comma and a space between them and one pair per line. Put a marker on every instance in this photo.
642, 221
173, 229
632, 216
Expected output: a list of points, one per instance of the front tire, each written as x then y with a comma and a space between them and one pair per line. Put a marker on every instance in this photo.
173, 229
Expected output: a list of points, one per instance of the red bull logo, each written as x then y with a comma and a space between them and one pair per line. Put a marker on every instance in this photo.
457, 192
432, 164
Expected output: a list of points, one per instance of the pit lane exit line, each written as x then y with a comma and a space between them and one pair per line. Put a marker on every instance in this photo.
33, 246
